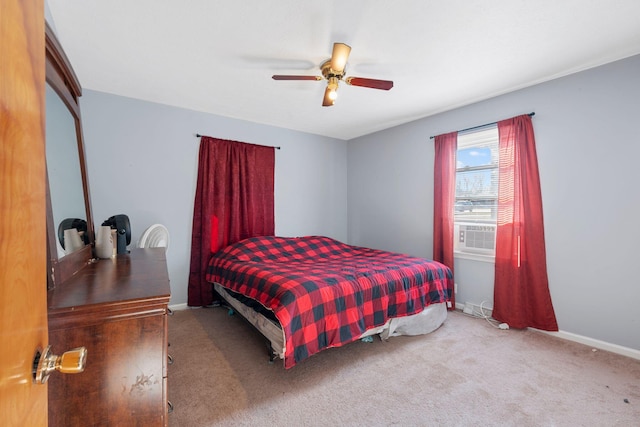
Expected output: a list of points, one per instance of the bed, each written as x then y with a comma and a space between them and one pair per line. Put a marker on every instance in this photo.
306, 294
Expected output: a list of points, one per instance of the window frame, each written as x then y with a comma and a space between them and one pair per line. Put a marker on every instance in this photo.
484, 137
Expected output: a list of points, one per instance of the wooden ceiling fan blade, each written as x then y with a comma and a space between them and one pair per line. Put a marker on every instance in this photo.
284, 77
327, 101
371, 83
340, 56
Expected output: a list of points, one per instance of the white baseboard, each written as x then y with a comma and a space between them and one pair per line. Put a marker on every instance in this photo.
592, 342
176, 307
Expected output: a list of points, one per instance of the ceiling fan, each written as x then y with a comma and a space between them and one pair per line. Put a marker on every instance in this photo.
333, 70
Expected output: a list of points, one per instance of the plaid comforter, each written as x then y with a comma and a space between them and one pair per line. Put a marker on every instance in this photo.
326, 293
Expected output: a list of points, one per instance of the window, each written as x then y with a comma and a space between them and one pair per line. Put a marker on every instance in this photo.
476, 202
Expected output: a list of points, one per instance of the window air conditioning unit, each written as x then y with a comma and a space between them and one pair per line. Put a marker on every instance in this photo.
476, 238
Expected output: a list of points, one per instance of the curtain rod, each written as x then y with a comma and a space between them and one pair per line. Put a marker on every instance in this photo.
198, 136
487, 124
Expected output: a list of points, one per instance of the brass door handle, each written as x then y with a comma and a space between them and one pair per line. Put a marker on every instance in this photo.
70, 362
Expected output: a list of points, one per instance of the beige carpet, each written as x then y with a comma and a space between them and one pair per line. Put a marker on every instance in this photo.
467, 373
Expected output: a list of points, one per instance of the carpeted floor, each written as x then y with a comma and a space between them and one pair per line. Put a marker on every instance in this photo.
467, 373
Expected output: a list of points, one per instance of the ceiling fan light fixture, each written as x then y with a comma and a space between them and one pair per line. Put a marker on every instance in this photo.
332, 88
327, 101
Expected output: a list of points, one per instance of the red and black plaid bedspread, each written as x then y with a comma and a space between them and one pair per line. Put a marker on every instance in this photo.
326, 293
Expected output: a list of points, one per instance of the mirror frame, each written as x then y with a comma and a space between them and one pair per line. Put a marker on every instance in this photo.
62, 79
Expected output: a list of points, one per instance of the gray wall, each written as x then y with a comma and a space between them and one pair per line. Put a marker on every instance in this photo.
377, 190
143, 159
588, 153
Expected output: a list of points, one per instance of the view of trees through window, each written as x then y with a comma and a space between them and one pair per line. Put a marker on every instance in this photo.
475, 210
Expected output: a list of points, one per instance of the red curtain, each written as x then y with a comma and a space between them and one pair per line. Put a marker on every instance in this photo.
234, 200
521, 288
444, 194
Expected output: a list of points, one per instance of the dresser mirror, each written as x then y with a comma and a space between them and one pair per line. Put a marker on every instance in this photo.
70, 235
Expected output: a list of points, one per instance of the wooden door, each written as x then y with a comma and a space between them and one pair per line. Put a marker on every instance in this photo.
23, 305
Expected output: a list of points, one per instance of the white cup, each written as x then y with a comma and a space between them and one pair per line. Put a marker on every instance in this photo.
104, 242
72, 240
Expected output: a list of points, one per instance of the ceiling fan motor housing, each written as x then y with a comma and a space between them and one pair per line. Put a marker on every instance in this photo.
328, 72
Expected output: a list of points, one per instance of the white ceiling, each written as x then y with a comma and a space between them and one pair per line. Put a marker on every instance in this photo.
219, 56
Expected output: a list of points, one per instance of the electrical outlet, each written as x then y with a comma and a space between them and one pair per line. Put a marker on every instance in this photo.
477, 310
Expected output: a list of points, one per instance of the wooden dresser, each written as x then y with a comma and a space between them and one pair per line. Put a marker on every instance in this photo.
117, 309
